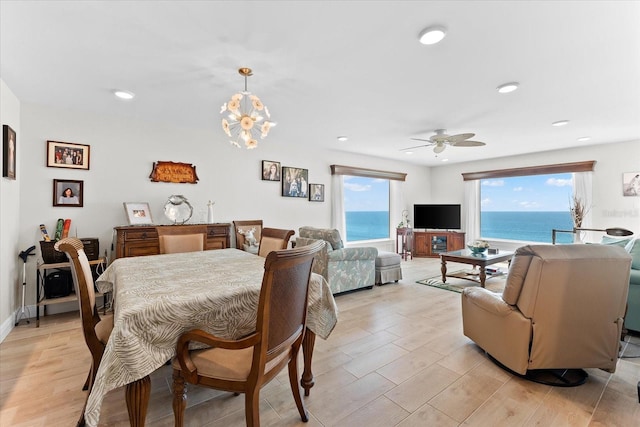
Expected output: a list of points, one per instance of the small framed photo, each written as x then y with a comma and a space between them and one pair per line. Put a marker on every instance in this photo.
68, 193
138, 213
270, 170
316, 192
8, 152
67, 155
295, 182
631, 184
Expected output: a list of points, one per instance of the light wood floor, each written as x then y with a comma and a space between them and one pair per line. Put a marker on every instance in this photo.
396, 358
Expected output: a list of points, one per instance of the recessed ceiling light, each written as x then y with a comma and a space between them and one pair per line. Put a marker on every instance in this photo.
560, 123
408, 153
432, 35
123, 94
445, 160
508, 87
343, 138
584, 138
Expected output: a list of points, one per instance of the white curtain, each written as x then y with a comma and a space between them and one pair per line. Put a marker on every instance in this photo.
338, 220
396, 205
583, 191
472, 209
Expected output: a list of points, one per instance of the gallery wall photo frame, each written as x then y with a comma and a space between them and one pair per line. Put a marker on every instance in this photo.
138, 213
270, 171
68, 155
295, 182
68, 193
316, 192
9, 141
631, 184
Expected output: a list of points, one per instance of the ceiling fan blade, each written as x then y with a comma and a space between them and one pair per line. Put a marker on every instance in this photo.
417, 146
420, 139
439, 148
460, 137
468, 144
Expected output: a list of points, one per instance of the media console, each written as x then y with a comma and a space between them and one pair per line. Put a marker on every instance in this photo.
431, 243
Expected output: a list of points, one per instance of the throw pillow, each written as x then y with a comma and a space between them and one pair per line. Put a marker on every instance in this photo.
606, 240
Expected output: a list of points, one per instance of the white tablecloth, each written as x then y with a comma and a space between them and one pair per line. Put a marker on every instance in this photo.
157, 298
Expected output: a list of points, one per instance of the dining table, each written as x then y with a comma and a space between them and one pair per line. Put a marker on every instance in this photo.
157, 298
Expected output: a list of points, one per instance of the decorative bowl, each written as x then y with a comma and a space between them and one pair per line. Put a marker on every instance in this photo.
476, 250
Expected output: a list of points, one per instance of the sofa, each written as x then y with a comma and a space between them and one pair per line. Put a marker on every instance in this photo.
345, 269
562, 308
632, 319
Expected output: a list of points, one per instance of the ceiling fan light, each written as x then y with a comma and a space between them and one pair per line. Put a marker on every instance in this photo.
508, 87
432, 35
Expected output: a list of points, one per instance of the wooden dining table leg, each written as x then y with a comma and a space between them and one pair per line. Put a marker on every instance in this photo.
137, 396
307, 352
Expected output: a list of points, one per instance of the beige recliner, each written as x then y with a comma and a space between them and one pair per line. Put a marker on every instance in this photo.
562, 308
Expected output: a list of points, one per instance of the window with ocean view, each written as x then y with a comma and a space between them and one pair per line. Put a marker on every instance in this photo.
526, 208
366, 206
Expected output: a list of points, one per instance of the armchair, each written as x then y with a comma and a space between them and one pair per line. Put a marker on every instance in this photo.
345, 269
562, 309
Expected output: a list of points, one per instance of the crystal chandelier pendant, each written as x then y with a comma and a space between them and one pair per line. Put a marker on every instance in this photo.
244, 119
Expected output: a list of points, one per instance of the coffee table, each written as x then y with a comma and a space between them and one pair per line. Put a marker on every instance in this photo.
465, 256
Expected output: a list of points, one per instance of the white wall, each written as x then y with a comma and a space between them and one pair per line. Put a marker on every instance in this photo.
610, 208
122, 155
10, 264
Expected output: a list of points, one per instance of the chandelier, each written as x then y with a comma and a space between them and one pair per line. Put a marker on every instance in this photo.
244, 119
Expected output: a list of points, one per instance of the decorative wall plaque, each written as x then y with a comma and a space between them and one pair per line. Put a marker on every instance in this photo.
174, 172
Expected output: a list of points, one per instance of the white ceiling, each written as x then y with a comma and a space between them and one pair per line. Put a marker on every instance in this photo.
334, 68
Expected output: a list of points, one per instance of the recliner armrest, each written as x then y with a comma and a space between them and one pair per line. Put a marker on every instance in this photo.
488, 301
352, 254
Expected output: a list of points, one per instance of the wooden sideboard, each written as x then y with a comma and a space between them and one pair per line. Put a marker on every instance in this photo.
139, 240
433, 243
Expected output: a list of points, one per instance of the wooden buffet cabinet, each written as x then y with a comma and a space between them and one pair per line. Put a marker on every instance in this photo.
139, 240
433, 243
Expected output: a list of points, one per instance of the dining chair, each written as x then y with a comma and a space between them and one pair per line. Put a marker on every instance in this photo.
96, 329
274, 239
176, 239
248, 234
245, 365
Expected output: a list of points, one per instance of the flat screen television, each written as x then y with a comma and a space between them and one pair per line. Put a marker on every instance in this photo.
444, 217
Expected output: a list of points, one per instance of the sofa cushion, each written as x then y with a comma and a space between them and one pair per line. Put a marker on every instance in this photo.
634, 250
634, 277
331, 235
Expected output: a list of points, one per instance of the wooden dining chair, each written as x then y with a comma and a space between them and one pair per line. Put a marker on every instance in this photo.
96, 330
274, 239
247, 364
176, 239
252, 229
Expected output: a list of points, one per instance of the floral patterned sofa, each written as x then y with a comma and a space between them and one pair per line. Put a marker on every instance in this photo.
345, 269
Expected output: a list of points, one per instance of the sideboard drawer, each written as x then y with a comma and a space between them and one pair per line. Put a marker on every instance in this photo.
145, 234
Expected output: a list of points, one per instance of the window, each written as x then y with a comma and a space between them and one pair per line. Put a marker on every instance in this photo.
526, 208
366, 207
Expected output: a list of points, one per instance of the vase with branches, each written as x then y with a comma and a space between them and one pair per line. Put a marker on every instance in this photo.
578, 212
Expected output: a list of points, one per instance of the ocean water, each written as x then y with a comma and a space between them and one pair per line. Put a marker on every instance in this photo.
524, 226
527, 226
367, 225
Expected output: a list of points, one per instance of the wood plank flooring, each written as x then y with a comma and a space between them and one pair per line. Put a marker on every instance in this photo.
396, 358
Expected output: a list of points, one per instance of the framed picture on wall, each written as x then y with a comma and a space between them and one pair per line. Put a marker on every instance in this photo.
67, 155
270, 170
68, 193
316, 192
295, 182
8, 152
138, 213
631, 184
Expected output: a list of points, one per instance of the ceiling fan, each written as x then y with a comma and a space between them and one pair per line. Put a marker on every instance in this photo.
440, 140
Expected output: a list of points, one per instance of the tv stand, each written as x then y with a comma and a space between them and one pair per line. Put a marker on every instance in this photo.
431, 243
